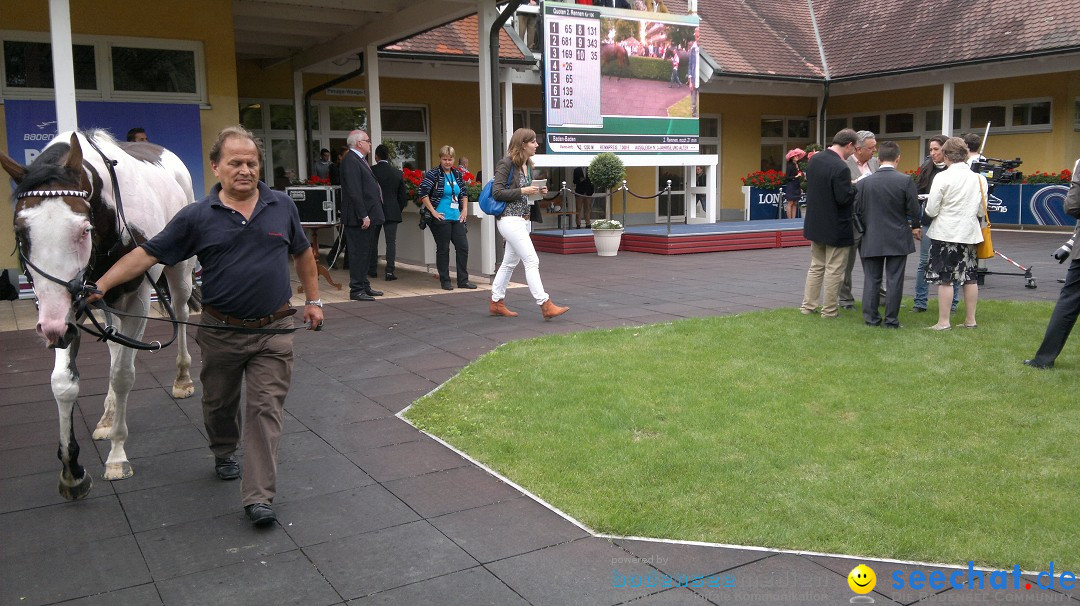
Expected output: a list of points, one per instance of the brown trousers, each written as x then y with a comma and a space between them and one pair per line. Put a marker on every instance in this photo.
264, 363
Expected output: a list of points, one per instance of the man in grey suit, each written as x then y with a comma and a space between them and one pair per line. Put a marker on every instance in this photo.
887, 206
361, 209
394, 198
861, 163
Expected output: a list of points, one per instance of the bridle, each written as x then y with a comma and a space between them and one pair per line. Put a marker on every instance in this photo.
80, 288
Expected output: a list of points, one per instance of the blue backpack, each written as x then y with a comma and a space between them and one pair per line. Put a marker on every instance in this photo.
489, 204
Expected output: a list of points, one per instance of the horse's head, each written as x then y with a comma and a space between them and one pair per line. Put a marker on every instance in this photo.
53, 232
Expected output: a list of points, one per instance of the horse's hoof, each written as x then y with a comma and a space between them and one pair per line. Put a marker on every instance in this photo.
78, 490
118, 471
103, 433
183, 390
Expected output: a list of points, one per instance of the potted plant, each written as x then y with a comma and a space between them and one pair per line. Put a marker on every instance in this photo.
761, 190
607, 235
606, 171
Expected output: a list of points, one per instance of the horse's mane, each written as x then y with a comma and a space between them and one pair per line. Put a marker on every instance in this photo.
47, 169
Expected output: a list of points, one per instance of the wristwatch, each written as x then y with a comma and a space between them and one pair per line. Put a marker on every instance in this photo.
315, 302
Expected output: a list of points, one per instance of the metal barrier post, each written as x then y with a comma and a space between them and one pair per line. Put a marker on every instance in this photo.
668, 190
559, 218
624, 203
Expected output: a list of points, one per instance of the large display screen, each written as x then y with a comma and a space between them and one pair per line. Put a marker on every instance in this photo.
619, 80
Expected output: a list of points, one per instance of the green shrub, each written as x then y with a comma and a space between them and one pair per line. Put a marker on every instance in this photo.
606, 170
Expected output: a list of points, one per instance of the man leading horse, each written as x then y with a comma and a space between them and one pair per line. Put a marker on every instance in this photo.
243, 233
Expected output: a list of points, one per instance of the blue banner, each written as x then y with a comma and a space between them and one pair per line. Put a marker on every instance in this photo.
31, 124
765, 203
1003, 205
1037, 204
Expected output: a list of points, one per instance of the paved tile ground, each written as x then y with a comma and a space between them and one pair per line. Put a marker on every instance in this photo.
371, 510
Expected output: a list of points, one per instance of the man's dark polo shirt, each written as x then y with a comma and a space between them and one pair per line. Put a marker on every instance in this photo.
245, 263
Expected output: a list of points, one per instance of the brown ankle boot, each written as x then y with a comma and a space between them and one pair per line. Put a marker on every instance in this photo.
498, 308
550, 310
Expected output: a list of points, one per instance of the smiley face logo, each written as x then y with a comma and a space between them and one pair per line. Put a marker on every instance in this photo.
862, 579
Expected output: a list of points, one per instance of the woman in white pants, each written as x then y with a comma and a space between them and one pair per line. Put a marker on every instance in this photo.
513, 185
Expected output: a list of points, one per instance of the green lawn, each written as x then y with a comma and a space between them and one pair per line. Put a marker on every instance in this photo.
789, 431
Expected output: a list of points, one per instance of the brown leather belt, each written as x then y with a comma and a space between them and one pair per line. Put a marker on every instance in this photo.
284, 312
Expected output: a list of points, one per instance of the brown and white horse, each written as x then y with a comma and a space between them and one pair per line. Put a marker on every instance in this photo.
69, 227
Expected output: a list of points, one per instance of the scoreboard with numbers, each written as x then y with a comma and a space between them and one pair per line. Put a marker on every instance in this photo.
573, 68
608, 83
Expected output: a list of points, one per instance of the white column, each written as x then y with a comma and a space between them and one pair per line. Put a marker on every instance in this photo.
487, 15
710, 194
63, 66
371, 75
948, 95
303, 154
508, 105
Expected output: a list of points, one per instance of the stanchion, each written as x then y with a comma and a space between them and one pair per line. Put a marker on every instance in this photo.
565, 206
668, 191
624, 203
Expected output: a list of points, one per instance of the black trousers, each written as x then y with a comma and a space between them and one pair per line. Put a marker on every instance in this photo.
390, 229
358, 247
444, 233
893, 268
1063, 318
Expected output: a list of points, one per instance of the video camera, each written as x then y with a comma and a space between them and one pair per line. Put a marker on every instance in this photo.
997, 171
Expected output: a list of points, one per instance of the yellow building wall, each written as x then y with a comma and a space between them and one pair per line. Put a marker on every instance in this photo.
1040, 151
208, 21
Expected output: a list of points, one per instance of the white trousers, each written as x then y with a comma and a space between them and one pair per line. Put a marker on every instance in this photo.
519, 248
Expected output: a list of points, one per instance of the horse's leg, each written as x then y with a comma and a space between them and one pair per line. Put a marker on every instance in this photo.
179, 277
104, 428
121, 378
74, 482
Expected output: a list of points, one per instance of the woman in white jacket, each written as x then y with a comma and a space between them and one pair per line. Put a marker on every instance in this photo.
957, 203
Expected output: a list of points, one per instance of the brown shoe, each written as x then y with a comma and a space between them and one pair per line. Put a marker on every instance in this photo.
550, 310
498, 308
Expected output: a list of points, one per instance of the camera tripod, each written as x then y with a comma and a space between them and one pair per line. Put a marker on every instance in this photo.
1029, 280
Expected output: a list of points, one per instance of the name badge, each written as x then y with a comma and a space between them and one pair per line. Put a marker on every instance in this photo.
453, 206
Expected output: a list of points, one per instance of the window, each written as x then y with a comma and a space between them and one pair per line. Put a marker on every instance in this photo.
778, 135
1031, 114
833, 126
900, 123
348, 118
994, 114
106, 68
29, 65
932, 120
870, 123
153, 70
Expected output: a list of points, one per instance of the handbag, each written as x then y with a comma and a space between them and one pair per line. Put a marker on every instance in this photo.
488, 203
985, 249
535, 214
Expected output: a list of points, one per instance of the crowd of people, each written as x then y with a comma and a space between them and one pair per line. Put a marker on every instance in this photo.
860, 203
246, 332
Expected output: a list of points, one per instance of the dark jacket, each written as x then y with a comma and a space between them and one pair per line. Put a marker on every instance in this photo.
499, 189
392, 183
361, 195
926, 178
829, 196
888, 207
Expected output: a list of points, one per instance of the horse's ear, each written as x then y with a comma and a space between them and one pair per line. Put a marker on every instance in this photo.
73, 160
13, 168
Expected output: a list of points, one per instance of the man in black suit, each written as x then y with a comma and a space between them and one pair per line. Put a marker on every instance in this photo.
829, 195
394, 197
361, 209
887, 206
